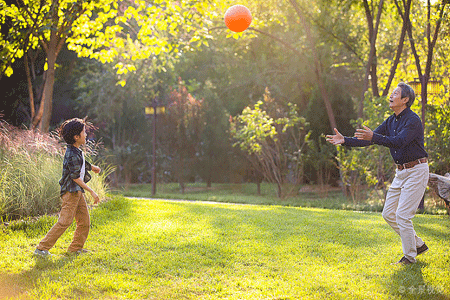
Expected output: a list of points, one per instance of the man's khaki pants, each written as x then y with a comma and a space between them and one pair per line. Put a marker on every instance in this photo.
73, 206
402, 201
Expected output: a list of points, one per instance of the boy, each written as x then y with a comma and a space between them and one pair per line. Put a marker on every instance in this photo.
73, 184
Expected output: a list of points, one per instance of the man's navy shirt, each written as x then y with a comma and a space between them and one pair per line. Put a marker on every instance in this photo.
402, 134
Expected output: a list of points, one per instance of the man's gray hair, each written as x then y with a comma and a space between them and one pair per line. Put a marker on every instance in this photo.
407, 91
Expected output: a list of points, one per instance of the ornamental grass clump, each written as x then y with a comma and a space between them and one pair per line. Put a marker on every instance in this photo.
30, 169
30, 164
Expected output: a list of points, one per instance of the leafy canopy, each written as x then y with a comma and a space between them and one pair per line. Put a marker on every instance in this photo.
106, 30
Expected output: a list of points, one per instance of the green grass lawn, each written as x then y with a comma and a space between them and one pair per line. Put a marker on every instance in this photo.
247, 194
190, 250
299, 196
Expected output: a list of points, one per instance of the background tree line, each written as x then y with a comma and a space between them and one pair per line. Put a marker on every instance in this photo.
332, 62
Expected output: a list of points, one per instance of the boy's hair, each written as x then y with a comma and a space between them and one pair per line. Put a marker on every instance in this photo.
407, 91
70, 128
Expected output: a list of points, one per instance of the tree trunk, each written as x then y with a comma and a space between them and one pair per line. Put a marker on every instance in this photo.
424, 97
279, 191
374, 76
371, 61
48, 93
317, 65
405, 18
38, 117
52, 48
127, 176
258, 187
30, 87
182, 186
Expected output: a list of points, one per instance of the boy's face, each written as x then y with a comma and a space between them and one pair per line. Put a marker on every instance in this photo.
80, 139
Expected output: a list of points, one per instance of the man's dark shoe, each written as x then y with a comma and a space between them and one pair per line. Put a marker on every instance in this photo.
422, 249
403, 261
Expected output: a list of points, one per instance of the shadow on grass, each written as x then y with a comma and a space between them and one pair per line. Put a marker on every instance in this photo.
12, 285
309, 233
422, 226
17, 285
328, 237
408, 283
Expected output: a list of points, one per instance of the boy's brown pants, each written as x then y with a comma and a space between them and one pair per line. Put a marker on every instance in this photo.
73, 205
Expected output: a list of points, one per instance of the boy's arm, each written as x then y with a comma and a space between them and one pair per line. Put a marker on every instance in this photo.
92, 168
81, 183
96, 169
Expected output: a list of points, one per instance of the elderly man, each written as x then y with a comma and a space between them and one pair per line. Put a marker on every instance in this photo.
402, 133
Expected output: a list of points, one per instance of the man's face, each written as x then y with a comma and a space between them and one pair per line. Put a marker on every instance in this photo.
395, 100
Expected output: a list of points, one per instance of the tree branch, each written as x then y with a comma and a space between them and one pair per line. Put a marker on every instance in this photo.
284, 43
324, 30
413, 47
432, 44
30, 86
25, 40
317, 65
400, 44
373, 32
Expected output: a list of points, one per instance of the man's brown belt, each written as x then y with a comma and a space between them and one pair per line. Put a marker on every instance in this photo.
412, 163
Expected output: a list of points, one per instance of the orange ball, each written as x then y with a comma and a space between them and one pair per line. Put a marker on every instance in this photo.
238, 18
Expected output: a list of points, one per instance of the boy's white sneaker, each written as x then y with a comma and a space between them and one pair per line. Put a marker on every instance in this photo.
43, 253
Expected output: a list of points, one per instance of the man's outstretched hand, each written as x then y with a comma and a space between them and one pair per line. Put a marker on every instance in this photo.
336, 139
365, 134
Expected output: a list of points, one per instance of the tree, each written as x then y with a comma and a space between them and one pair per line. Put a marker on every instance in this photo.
371, 67
370, 166
182, 133
317, 64
213, 157
424, 76
97, 29
273, 139
118, 112
371, 70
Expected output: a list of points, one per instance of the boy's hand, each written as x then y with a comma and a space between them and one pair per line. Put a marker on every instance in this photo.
95, 196
96, 169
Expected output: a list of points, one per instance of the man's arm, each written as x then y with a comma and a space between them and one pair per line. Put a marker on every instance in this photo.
364, 137
408, 133
339, 139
